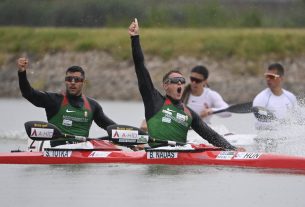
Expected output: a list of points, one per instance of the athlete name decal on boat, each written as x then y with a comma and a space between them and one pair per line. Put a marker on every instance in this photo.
57, 153
247, 155
99, 154
162, 155
41, 132
225, 155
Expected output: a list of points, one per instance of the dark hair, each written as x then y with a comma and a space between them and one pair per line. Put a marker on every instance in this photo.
74, 69
201, 70
278, 67
165, 77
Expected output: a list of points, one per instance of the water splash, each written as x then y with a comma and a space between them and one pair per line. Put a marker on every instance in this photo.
286, 136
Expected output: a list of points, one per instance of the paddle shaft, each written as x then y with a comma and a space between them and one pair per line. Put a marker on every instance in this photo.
237, 108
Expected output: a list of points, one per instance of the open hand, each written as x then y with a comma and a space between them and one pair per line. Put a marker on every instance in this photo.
22, 64
133, 29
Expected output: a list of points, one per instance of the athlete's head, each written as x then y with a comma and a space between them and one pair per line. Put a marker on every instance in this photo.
277, 67
199, 79
75, 77
173, 84
274, 75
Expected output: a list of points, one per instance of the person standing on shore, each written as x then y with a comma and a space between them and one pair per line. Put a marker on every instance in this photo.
167, 117
200, 98
72, 112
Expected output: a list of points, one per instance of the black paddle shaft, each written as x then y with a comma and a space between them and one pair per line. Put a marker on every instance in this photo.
237, 108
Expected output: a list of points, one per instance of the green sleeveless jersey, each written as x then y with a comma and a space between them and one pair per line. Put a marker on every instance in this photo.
170, 123
73, 120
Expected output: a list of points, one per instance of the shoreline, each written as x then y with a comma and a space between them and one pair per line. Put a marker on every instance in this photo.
110, 79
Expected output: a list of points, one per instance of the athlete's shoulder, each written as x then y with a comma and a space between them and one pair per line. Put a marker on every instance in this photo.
261, 98
264, 93
53, 95
288, 93
290, 96
94, 104
92, 100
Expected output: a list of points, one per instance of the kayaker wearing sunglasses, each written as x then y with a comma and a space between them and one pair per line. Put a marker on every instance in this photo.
167, 117
274, 98
200, 98
71, 111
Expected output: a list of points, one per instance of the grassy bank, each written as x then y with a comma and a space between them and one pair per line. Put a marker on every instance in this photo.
167, 43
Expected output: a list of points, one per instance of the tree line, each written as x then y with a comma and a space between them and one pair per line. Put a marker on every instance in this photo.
153, 13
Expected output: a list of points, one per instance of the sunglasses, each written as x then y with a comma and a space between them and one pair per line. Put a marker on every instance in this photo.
75, 78
271, 76
175, 80
196, 80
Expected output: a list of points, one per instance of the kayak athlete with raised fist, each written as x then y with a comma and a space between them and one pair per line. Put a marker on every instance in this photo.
71, 111
167, 117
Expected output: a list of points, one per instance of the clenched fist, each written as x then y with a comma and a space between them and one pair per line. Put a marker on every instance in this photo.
133, 29
22, 64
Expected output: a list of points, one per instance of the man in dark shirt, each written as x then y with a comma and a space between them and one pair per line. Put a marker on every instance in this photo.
71, 111
167, 117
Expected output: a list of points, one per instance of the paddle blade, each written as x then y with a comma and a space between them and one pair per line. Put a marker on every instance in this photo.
40, 131
127, 135
263, 114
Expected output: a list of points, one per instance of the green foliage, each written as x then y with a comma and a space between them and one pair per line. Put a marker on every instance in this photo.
153, 13
167, 43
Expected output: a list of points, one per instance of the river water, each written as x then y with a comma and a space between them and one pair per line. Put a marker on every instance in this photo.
135, 185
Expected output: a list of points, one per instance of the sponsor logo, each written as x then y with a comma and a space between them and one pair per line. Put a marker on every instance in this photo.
168, 109
166, 112
128, 134
162, 155
57, 153
42, 133
166, 119
247, 155
181, 117
67, 122
143, 139
99, 154
225, 155
68, 111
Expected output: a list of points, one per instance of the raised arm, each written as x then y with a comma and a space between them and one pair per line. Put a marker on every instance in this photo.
38, 98
151, 97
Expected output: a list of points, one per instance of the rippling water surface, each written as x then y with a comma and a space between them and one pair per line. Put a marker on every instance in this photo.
135, 185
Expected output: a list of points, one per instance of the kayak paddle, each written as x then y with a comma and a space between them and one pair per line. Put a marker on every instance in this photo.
120, 134
263, 114
237, 108
42, 131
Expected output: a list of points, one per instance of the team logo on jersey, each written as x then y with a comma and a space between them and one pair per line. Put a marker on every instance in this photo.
67, 122
166, 112
181, 117
166, 119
